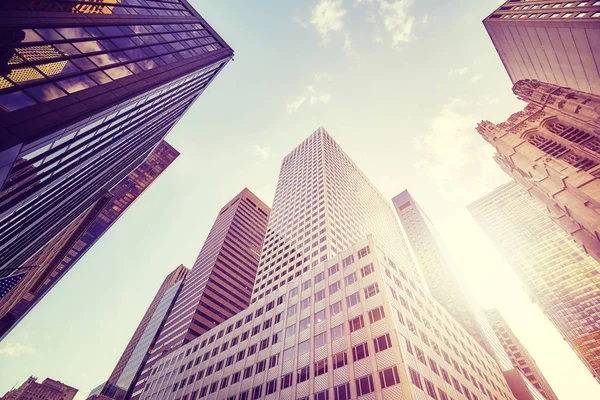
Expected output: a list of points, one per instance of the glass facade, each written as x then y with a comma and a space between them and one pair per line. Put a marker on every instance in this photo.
558, 275
57, 257
84, 98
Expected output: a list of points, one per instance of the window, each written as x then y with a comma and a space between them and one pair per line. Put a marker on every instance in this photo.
320, 316
261, 366
371, 290
415, 378
335, 287
321, 367
274, 360
334, 269
303, 374
339, 360
292, 310
276, 338
248, 372
353, 299
235, 377
348, 260
251, 350
444, 396
286, 381
304, 324
445, 375
288, 354
324, 395
356, 323
267, 324
304, 304
335, 308
389, 377
305, 285
430, 389
319, 277
303, 347
257, 392
320, 340
342, 392
224, 382
293, 292
337, 332
367, 270
359, 352
364, 252
420, 355
376, 314
350, 279
271, 387
365, 385
382, 343
290, 331
320, 295
433, 366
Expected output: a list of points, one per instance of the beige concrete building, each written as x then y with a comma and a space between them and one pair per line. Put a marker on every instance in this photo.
339, 310
49, 389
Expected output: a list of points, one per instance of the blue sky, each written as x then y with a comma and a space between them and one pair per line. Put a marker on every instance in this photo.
399, 84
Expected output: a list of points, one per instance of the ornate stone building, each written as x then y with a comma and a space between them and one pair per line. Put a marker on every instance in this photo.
552, 149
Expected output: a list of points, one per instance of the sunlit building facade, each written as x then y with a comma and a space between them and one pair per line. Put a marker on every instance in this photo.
221, 280
518, 354
550, 41
557, 274
43, 271
439, 274
87, 91
339, 316
121, 382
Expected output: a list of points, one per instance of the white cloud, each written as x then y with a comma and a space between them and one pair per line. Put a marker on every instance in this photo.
323, 76
455, 157
296, 104
16, 349
397, 20
476, 77
263, 152
316, 96
459, 71
348, 49
425, 19
327, 16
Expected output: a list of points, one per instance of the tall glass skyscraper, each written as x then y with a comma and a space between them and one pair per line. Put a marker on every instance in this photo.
48, 266
338, 310
87, 90
558, 275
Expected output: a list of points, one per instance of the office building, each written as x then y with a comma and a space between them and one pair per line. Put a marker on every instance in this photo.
49, 389
333, 315
125, 374
556, 273
220, 283
518, 354
87, 91
550, 41
439, 273
54, 260
552, 149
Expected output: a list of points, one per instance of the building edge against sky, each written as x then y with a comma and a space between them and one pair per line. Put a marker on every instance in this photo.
518, 354
220, 283
549, 41
555, 271
338, 316
439, 273
121, 381
74, 131
57, 258
48, 389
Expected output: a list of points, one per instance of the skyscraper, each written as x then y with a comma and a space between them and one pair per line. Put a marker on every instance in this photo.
439, 274
125, 374
519, 356
220, 283
550, 41
558, 275
336, 313
49, 389
53, 261
87, 91
552, 149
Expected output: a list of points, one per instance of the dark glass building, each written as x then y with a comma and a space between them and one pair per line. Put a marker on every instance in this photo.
87, 90
55, 259
123, 378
